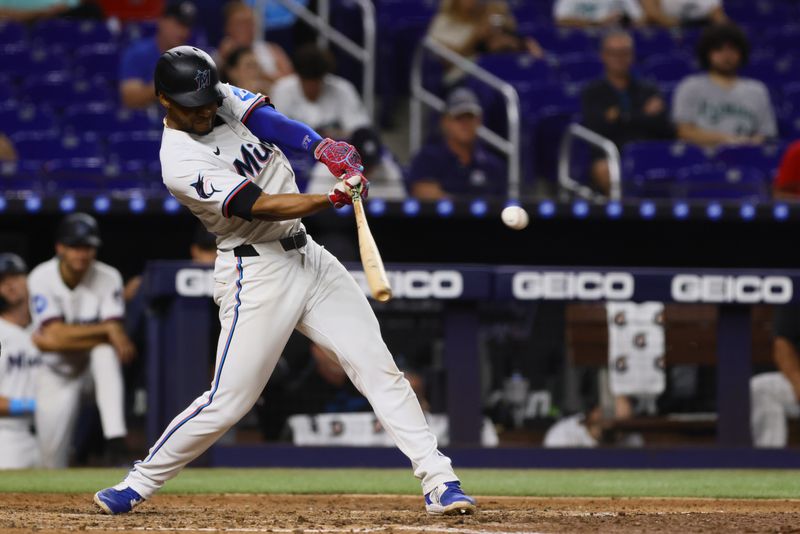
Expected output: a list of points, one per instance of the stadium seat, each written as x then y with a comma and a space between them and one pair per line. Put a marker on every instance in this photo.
651, 168
714, 182
62, 89
580, 68
47, 145
17, 117
667, 69
765, 158
71, 32
136, 152
106, 118
98, 59
516, 67
11, 33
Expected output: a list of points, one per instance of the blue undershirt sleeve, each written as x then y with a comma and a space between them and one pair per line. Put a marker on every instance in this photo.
270, 125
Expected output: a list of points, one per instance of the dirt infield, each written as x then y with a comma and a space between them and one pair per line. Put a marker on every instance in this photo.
320, 514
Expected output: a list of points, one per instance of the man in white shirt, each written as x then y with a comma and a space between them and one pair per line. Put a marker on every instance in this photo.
587, 13
327, 103
671, 13
19, 361
77, 308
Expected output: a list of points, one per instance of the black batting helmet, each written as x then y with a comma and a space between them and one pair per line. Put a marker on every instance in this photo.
79, 230
188, 76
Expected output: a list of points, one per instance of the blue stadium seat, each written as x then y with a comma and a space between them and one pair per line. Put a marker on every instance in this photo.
50, 145
650, 42
516, 67
136, 152
651, 168
106, 118
76, 173
537, 98
7, 92
671, 69
766, 158
11, 33
560, 41
17, 117
715, 182
61, 89
580, 68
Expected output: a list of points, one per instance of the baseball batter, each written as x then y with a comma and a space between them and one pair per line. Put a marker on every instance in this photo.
77, 309
19, 360
221, 156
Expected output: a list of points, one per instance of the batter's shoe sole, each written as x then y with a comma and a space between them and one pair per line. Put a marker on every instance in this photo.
117, 501
449, 499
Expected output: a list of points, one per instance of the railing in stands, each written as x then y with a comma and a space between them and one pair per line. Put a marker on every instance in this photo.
567, 183
365, 54
510, 146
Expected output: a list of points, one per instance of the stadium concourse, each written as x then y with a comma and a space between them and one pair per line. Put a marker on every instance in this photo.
644, 314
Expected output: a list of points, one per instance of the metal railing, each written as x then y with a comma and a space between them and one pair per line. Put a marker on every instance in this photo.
510, 146
567, 183
365, 54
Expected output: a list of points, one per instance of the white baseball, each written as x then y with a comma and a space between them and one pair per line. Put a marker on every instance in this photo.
515, 217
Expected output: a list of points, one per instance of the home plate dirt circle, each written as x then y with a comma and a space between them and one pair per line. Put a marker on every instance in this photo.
321, 514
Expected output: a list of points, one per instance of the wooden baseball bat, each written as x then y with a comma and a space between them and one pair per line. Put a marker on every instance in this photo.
370, 257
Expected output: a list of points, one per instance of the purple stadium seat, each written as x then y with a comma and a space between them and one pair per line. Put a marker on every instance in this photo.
715, 182
766, 158
580, 68
516, 67
48, 145
71, 32
560, 41
650, 168
670, 69
7, 92
651, 42
98, 59
76, 173
61, 89
17, 117
11, 33
105, 118
136, 152
536, 98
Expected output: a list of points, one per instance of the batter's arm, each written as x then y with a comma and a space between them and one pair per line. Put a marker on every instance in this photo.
288, 206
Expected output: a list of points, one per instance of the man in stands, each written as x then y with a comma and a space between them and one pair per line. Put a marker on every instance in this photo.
594, 13
672, 13
327, 103
719, 107
458, 164
775, 396
139, 60
621, 107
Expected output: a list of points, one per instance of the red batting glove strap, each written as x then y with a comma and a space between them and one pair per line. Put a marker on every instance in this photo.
338, 156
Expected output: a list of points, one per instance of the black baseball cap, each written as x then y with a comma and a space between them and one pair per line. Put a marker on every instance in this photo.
79, 230
183, 12
368, 144
10, 263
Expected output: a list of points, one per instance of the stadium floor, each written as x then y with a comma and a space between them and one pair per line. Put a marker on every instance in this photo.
206, 500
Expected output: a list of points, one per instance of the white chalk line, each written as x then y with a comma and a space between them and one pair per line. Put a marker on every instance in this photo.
387, 528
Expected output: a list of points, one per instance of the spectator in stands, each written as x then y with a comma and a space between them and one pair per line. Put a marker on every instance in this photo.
621, 107
471, 27
594, 13
139, 60
458, 164
787, 182
326, 102
240, 31
242, 70
7, 152
672, 13
384, 174
27, 11
719, 107
776, 396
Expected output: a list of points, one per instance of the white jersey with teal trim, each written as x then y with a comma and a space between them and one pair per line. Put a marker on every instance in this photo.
206, 172
19, 361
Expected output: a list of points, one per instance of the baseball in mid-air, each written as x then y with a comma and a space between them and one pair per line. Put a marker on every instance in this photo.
515, 217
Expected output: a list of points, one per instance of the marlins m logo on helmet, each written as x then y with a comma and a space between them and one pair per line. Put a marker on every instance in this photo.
203, 79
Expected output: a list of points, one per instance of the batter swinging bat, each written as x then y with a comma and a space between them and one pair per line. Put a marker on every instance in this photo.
370, 257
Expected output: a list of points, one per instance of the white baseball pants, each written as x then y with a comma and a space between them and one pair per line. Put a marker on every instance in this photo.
59, 391
262, 300
772, 401
18, 447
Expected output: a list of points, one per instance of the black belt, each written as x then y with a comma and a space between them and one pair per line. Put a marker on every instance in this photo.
292, 242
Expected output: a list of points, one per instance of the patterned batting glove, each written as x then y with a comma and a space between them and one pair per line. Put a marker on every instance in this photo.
341, 194
341, 158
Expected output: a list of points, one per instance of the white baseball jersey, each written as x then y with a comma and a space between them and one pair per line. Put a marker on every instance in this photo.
596, 10
97, 298
18, 363
206, 172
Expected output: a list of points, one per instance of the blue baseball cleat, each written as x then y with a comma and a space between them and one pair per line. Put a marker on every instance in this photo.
117, 501
449, 499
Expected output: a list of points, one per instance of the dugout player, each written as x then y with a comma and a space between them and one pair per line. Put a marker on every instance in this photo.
220, 157
78, 308
19, 360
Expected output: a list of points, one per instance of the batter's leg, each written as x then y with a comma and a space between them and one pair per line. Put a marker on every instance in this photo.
260, 303
109, 390
338, 317
772, 402
57, 406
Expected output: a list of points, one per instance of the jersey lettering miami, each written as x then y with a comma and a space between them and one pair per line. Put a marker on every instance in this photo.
18, 364
206, 172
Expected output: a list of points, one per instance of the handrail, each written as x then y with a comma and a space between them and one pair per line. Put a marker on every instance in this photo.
604, 144
365, 54
419, 95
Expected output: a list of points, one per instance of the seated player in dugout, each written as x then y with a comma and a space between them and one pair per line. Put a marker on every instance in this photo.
620, 106
19, 362
78, 310
458, 164
222, 158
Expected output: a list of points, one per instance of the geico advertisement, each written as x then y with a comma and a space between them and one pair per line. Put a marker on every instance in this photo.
555, 285
411, 284
744, 289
